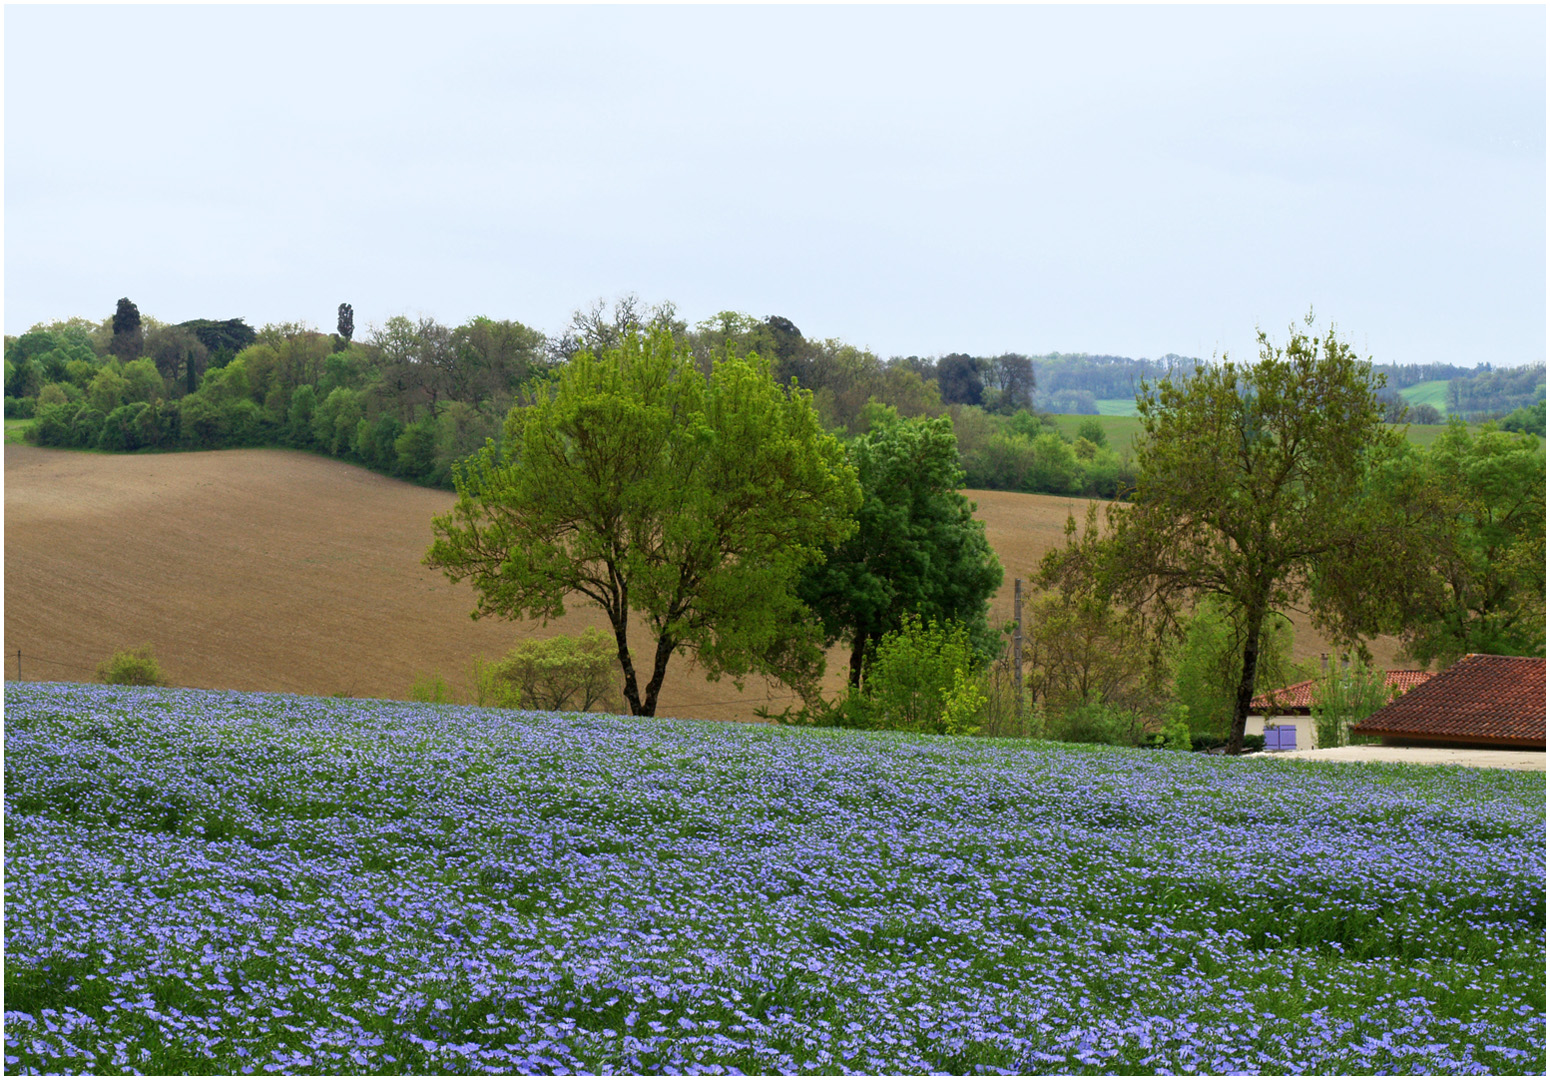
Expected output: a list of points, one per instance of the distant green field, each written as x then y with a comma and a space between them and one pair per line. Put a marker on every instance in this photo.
1423, 435
14, 429
1122, 429
1433, 393
1121, 406
1119, 429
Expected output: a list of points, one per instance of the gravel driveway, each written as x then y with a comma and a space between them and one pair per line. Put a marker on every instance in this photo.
1427, 755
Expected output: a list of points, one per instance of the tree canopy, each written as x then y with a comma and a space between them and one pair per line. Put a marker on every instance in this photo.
1478, 564
918, 549
640, 484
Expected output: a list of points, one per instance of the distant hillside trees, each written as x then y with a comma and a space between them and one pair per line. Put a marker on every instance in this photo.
1493, 393
1528, 419
127, 341
410, 402
222, 339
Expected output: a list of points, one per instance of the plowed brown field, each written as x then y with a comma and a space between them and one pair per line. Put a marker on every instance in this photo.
278, 570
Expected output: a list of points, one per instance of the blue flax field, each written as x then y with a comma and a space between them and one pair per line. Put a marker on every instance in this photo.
209, 882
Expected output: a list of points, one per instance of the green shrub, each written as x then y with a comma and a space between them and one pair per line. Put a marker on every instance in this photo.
920, 671
490, 691
562, 673
1096, 722
121, 430
52, 426
431, 689
20, 408
1175, 728
1346, 696
1203, 743
131, 667
86, 427
964, 704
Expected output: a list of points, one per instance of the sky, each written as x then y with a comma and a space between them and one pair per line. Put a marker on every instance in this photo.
917, 180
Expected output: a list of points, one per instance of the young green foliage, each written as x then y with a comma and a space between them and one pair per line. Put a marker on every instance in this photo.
1344, 696
560, 673
638, 483
131, 667
1207, 664
924, 679
431, 689
1478, 568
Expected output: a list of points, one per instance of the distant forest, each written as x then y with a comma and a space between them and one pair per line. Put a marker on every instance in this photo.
412, 397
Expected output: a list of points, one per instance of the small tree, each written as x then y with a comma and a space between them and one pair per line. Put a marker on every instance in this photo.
918, 548
131, 667
431, 689
1346, 696
346, 322
561, 673
924, 678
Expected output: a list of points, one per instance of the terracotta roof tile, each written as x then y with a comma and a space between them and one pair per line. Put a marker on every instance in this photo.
1300, 695
1488, 698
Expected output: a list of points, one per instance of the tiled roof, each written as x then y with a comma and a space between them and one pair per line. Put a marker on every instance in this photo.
1299, 696
1499, 699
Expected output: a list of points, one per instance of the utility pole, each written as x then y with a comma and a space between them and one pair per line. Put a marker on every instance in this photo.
1017, 640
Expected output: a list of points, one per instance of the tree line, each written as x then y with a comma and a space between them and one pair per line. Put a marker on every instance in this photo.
760, 496
715, 504
414, 396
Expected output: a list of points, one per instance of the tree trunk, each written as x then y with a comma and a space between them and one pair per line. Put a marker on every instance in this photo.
1254, 620
620, 621
665, 647
857, 654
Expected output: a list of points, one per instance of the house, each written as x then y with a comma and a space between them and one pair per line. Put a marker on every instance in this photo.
1297, 699
1293, 705
1481, 701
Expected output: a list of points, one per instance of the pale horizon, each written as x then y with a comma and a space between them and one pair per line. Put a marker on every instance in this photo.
1107, 180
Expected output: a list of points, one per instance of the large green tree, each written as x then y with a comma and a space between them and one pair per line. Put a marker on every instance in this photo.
1478, 572
1253, 486
918, 548
639, 483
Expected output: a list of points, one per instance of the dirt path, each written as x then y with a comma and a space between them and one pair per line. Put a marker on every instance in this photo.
1526, 760
279, 570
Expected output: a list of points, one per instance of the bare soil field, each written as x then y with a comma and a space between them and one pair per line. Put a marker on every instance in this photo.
284, 571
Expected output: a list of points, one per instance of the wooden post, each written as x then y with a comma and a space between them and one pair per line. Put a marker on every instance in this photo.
1017, 640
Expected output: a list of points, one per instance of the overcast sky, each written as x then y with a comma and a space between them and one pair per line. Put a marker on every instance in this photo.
1122, 180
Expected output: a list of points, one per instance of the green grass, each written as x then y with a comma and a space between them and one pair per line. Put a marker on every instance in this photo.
1433, 393
14, 429
1122, 429
1116, 406
1119, 429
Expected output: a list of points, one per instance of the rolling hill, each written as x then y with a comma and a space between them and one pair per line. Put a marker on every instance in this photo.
280, 570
